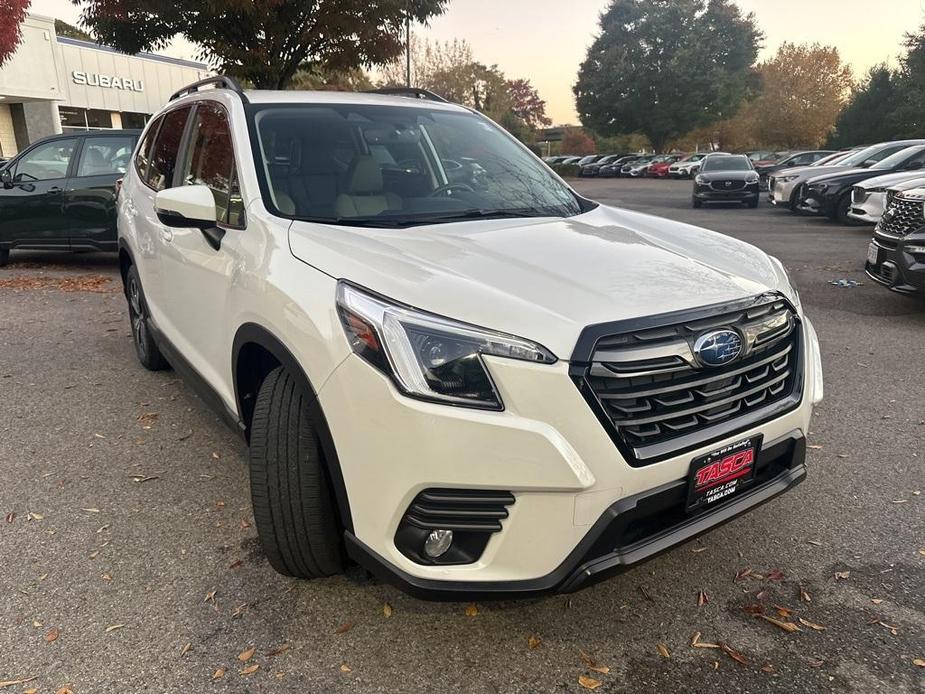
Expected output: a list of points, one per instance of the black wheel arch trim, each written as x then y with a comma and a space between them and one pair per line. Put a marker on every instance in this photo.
253, 333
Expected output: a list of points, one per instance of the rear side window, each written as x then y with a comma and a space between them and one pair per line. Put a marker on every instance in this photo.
210, 161
105, 155
144, 150
166, 148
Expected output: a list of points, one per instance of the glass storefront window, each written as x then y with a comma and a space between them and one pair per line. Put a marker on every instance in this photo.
84, 118
134, 121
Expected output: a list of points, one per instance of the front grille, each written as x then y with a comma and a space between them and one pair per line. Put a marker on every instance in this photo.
903, 216
727, 185
656, 397
890, 196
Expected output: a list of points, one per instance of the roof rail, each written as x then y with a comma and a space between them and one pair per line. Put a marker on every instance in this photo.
220, 82
411, 92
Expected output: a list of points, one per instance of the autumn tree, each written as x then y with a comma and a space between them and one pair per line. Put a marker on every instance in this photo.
803, 89
908, 118
428, 58
12, 15
527, 105
323, 79
62, 28
665, 67
264, 42
577, 141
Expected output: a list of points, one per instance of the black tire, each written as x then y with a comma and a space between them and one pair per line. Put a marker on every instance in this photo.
145, 347
4, 256
794, 200
753, 204
293, 506
842, 208
697, 203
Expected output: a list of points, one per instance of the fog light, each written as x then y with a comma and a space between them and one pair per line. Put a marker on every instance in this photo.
437, 543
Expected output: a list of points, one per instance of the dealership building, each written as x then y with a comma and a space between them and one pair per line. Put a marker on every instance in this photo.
55, 84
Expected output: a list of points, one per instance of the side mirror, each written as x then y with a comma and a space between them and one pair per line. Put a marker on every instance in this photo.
6, 177
868, 163
188, 207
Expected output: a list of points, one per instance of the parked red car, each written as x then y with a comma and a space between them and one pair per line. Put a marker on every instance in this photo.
659, 167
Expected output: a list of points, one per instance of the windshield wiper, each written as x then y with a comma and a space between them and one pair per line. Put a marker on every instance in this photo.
400, 222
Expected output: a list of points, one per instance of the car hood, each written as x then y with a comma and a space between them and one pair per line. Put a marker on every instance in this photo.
891, 179
724, 175
543, 279
845, 176
809, 171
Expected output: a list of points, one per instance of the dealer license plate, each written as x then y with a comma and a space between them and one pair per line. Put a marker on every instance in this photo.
873, 254
717, 476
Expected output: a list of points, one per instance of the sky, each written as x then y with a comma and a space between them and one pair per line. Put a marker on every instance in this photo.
546, 40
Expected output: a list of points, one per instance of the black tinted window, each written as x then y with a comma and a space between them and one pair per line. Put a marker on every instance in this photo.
166, 148
105, 155
144, 149
726, 164
211, 159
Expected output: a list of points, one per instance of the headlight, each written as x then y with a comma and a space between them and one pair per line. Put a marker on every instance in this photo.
876, 190
818, 187
784, 279
752, 178
786, 179
699, 180
427, 356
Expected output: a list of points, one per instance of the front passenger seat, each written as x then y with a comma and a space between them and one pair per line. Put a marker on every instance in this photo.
365, 196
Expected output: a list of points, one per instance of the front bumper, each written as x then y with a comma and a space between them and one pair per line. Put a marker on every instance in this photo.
705, 193
780, 193
868, 211
572, 487
889, 263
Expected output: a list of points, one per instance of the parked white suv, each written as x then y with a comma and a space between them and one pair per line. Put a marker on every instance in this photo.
449, 366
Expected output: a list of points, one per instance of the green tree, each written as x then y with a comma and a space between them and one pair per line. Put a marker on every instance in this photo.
665, 67
264, 42
323, 79
577, 141
908, 118
62, 28
870, 114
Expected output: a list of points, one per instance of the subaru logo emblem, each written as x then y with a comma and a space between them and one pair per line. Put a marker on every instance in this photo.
718, 347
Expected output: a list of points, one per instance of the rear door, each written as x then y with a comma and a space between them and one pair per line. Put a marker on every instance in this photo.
31, 208
90, 194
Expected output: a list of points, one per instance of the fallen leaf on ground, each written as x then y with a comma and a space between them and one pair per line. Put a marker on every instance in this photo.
471, 610
344, 667
842, 575
52, 635
919, 661
702, 599
816, 662
277, 651
10, 517
218, 674
591, 664
767, 667
733, 653
814, 446
250, 669
789, 627
533, 642
663, 650
236, 563
815, 543
186, 649
589, 682
776, 575
876, 601
64, 690
106, 576
344, 628
245, 524
811, 625
645, 594
783, 611
804, 596
210, 596
698, 550
13, 683
113, 627
753, 609
387, 610
90, 510
34, 516
697, 643
893, 630
246, 655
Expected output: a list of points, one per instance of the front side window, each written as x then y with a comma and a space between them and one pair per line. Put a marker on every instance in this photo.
144, 149
210, 161
46, 162
399, 166
907, 157
105, 155
166, 147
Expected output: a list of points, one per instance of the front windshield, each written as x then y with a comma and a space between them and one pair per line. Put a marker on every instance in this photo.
373, 165
894, 161
726, 164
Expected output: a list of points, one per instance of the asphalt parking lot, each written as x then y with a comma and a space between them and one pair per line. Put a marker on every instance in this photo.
130, 562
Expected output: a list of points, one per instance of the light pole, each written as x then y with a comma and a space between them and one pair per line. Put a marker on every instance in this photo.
408, 48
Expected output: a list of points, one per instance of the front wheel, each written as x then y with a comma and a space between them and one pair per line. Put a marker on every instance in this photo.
145, 347
697, 203
293, 505
842, 208
4, 256
753, 204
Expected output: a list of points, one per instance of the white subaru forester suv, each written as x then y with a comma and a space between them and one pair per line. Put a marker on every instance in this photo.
450, 367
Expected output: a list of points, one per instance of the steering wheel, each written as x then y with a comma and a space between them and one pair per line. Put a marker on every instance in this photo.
448, 188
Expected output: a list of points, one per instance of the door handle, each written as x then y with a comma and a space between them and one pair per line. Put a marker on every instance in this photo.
54, 190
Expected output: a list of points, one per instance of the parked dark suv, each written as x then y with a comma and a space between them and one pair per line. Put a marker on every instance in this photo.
60, 193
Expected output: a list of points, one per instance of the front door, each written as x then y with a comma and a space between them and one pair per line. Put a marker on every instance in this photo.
196, 277
90, 193
31, 207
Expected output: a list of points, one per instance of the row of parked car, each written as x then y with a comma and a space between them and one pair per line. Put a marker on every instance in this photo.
881, 184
